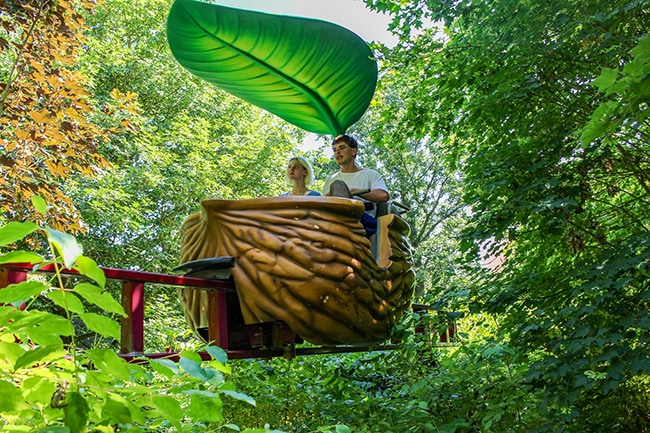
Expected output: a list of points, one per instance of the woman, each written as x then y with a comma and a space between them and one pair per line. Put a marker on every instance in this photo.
300, 175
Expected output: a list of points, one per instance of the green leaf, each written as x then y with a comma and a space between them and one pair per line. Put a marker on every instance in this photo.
39, 204
607, 78
116, 412
54, 429
101, 325
10, 354
135, 406
96, 296
164, 367
317, 75
170, 408
67, 301
66, 245
40, 327
239, 396
642, 51
88, 267
206, 406
11, 398
193, 368
39, 355
76, 412
108, 362
190, 354
640, 366
39, 389
219, 366
21, 257
218, 354
21, 292
15, 231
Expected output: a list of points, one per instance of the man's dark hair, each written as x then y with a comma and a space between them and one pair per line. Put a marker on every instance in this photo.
345, 139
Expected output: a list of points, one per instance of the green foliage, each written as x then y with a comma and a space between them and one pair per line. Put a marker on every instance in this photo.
423, 387
624, 108
420, 177
47, 383
189, 141
543, 108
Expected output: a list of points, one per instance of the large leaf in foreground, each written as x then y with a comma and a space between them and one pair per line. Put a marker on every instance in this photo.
314, 74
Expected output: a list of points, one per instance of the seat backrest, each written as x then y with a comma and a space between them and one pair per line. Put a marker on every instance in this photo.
385, 208
390, 207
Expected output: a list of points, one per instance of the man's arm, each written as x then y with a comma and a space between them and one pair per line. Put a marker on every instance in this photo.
378, 190
377, 195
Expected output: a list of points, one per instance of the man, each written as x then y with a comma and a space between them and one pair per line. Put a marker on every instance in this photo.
353, 178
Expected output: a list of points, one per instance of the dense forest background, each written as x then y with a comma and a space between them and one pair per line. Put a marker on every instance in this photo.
510, 129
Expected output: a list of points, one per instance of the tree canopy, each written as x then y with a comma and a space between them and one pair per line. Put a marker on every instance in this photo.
543, 107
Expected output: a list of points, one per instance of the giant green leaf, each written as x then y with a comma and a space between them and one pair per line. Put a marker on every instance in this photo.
314, 74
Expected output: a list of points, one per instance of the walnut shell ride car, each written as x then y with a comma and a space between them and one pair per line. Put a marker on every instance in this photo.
307, 262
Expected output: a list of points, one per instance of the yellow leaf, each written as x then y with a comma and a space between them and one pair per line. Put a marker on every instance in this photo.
54, 81
22, 135
40, 116
74, 114
36, 65
50, 166
38, 76
56, 136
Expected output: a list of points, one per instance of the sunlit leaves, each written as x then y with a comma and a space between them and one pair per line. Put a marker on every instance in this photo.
101, 325
106, 358
12, 397
79, 389
67, 301
66, 245
606, 79
39, 204
170, 407
88, 267
47, 131
102, 299
626, 93
15, 231
21, 292
39, 327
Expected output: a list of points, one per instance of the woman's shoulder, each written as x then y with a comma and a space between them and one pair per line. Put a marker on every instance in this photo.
312, 192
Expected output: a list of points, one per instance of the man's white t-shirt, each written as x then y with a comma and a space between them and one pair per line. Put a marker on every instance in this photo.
362, 179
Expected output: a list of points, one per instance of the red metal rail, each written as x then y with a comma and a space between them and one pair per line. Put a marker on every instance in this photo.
133, 291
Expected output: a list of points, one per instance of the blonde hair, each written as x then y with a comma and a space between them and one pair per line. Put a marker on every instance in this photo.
309, 179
